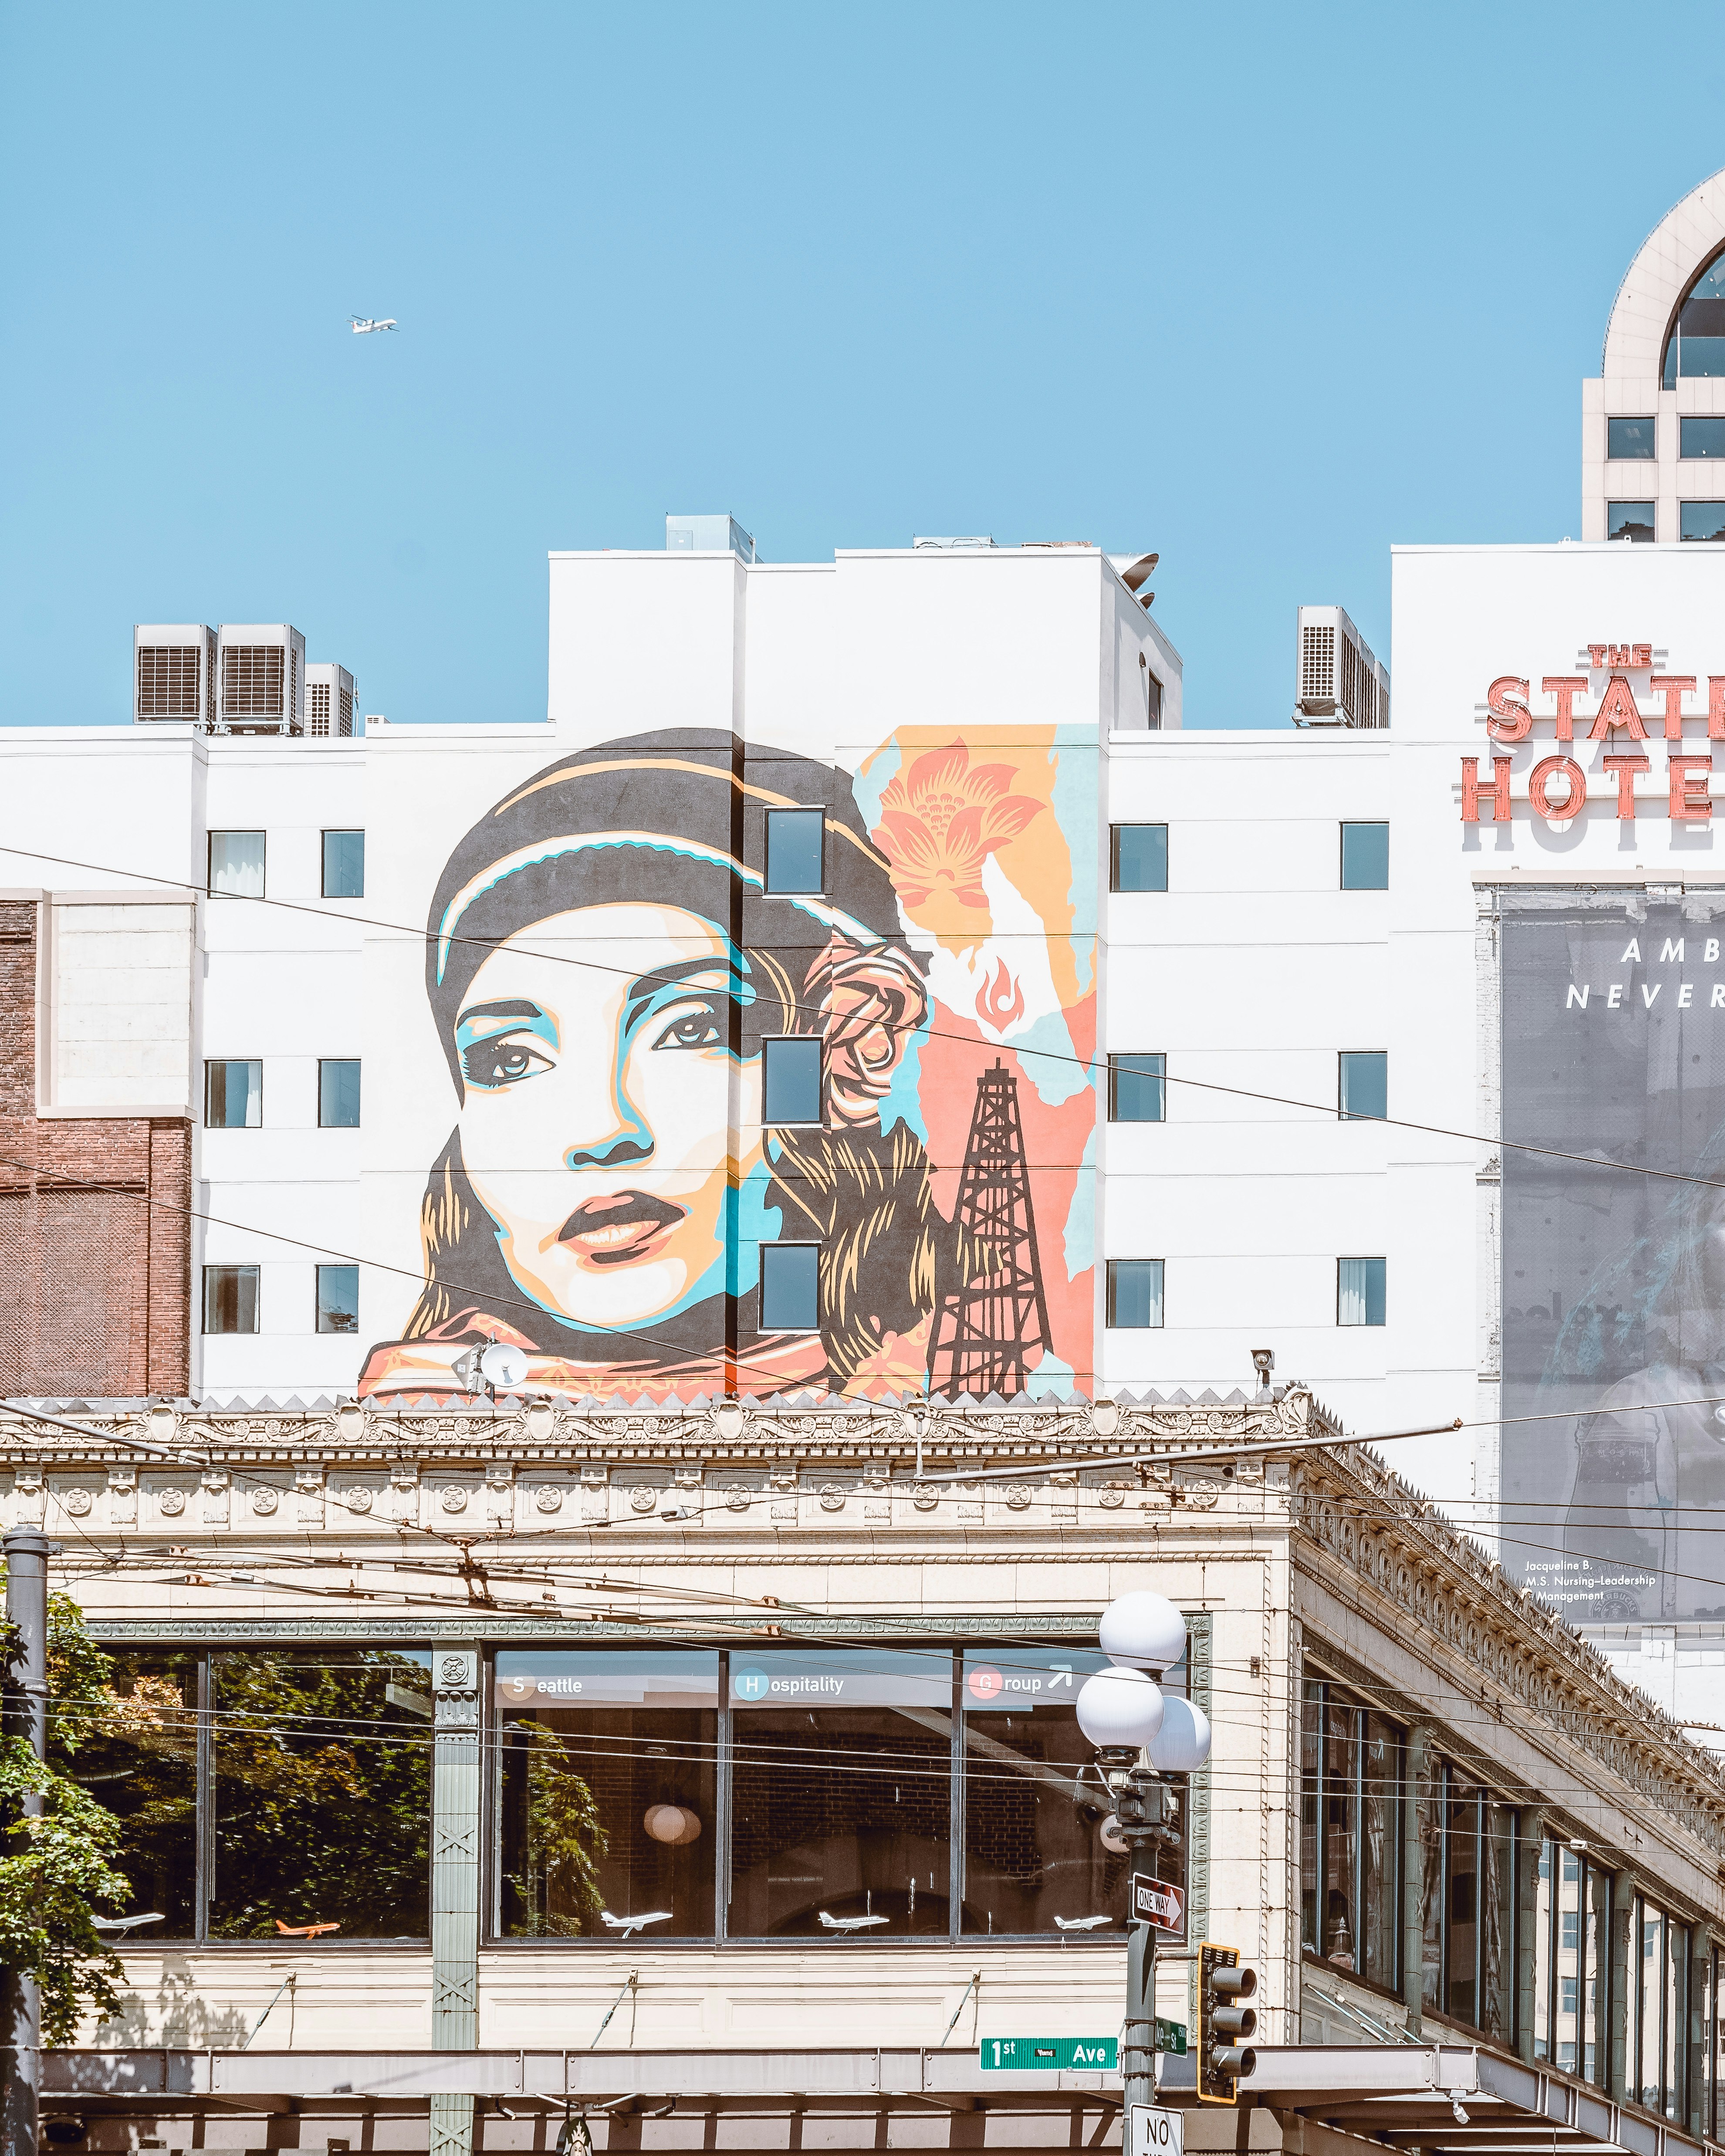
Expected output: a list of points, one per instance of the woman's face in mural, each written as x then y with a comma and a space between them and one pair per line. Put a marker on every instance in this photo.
595, 1109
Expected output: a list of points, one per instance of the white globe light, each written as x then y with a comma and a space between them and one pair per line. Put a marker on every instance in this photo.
1142, 1631
1120, 1707
1182, 1743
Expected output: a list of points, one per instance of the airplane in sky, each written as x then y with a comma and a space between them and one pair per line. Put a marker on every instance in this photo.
362, 326
627, 1925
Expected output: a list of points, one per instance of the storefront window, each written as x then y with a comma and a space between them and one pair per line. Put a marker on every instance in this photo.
139, 1757
607, 1780
1350, 1836
842, 1789
1035, 1805
1659, 2008
322, 1764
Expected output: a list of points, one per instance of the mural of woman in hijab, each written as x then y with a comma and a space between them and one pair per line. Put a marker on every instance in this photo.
605, 964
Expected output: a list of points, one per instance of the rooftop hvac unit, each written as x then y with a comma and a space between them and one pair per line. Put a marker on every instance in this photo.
330, 697
173, 675
1340, 683
261, 684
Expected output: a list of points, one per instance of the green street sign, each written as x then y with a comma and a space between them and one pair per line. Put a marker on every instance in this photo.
1051, 2054
1171, 2036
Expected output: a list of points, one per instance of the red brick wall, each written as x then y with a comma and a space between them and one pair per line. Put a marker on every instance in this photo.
95, 1283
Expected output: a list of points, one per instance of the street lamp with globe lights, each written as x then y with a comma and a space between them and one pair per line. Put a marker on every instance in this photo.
1140, 1734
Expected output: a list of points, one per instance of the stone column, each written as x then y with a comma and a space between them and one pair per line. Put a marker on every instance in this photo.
455, 1797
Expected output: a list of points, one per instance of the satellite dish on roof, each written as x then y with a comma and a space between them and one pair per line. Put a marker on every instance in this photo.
504, 1368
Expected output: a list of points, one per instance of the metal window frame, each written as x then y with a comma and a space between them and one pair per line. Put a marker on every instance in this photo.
801, 890
1109, 1323
323, 1061
1132, 890
1360, 823
340, 831
210, 1063
205, 1331
238, 831
817, 1120
1127, 1059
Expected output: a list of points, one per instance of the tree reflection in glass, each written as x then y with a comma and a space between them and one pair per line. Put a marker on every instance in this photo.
606, 1803
323, 1791
138, 1756
841, 1814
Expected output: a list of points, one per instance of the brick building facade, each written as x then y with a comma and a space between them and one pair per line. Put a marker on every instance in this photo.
95, 1221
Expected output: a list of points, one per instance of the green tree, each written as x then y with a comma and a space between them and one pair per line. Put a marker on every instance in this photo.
58, 1863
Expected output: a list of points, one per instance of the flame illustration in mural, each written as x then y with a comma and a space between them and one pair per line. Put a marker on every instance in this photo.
1000, 1001
941, 820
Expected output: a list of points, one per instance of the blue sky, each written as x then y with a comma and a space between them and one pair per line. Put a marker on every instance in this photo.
1266, 289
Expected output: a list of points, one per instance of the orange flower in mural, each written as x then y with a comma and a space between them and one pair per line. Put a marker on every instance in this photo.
942, 818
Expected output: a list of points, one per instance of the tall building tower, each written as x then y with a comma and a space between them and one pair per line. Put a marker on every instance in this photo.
1653, 420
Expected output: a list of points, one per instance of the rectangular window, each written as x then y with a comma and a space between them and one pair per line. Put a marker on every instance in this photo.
322, 1769
790, 1287
1569, 1917
338, 1094
1153, 696
140, 1759
1701, 438
344, 864
607, 1792
1031, 1848
1633, 438
841, 1814
1139, 857
1350, 1836
1359, 1290
1630, 519
1461, 1942
1134, 1294
230, 1298
1365, 857
236, 864
338, 1298
234, 1094
1136, 1085
790, 1080
1703, 520
793, 849
1363, 1085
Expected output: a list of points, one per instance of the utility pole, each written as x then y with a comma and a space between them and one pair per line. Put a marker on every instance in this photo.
26, 1715
1140, 1819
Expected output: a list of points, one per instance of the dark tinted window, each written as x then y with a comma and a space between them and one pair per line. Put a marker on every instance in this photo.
1365, 857
607, 1805
1701, 438
841, 1813
1136, 1085
344, 864
1140, 852
1631, 438
338, 1298
790, 1290
338, 1095
1364, 1085
140, 1759
1630, 519
322, 1765
234, 1094
1135, 1294
790, 1080
793, 848
230, 1298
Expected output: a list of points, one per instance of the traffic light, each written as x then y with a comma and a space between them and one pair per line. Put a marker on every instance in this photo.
1224, 2023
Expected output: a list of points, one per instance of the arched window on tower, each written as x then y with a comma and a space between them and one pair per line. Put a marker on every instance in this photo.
1696, 344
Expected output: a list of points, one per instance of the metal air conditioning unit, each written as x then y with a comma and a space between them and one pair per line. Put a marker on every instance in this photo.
173, 672
1340, 683
330, 696
261, 686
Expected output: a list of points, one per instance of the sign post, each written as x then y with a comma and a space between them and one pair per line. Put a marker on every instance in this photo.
1154, 1901
1151, 2131
1049, 2055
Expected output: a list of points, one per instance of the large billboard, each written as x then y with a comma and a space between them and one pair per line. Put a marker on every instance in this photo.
1614, 1275
574, 1151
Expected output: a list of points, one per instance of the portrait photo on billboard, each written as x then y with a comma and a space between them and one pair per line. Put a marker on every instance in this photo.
1613, 1051
754, 1073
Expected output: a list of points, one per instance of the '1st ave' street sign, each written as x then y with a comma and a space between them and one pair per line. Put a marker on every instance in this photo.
1049, 2054
1156, 1903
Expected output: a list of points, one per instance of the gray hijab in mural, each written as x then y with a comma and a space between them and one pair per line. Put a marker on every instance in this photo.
678, 819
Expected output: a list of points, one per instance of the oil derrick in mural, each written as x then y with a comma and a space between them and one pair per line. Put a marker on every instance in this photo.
993, 1327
